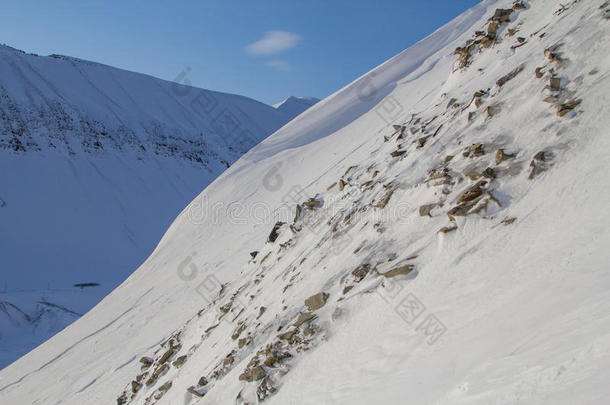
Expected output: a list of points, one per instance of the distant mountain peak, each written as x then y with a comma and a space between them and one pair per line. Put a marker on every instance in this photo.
295, 105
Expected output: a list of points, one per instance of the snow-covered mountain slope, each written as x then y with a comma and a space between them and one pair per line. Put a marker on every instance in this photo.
433, 233
294, 106
95, 162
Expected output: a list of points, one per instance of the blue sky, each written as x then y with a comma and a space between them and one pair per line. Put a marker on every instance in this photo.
264, 49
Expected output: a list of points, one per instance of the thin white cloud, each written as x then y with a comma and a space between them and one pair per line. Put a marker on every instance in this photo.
273, 42
279, 65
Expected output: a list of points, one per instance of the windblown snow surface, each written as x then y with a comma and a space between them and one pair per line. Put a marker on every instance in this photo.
450, 246
95, 163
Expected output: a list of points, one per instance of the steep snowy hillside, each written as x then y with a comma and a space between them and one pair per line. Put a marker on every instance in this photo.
95, 163
294, 106
434, 232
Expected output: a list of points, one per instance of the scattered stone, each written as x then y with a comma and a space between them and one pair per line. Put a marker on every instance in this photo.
489, 173
477, 150
398, 153
135, 386
384, 201
253, 254
399, 271
146, 362
316, 301
519, 5
297, 213
537, 165
166, 356
244, 342
159, 371
424, 210
202, 381
275, 232
261, 311
539, 72
289, 336
341, 184
122, 399
492, 110
563, 109
502, 15
448, 158
472, 193
347, 289
447, 229
501, 156
303, 318
265, 389
312, 204
198, 392
208, 330
422, 141
349, 169
163, 389
508, 221
253, 374
360, 272
179, 361
228, 360
555, 83
511, 75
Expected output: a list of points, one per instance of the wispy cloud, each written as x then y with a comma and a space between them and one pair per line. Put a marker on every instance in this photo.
279, 65
273, 42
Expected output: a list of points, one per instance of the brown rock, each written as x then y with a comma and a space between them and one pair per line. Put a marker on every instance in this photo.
501, 156
398, 153
316, 301
304, 318
470, 194
539, 72
424, 210
228, 360
198, 392
146, 361
179, 361
288, 335
135, 386
312, 203
159, 371
297, 213
563, 109
399, 271
166, 356
341, 184
447, 229
555, 83
360, 272
253, 374
385, 200
511, 75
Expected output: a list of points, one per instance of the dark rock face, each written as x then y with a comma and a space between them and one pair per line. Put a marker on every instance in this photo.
275, 232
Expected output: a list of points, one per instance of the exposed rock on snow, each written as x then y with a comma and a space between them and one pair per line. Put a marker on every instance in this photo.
511, 289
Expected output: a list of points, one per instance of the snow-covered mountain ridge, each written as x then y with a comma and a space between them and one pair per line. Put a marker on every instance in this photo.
95, 162
296, 105
432, 233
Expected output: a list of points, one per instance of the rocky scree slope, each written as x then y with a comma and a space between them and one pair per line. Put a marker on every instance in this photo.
442, 247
